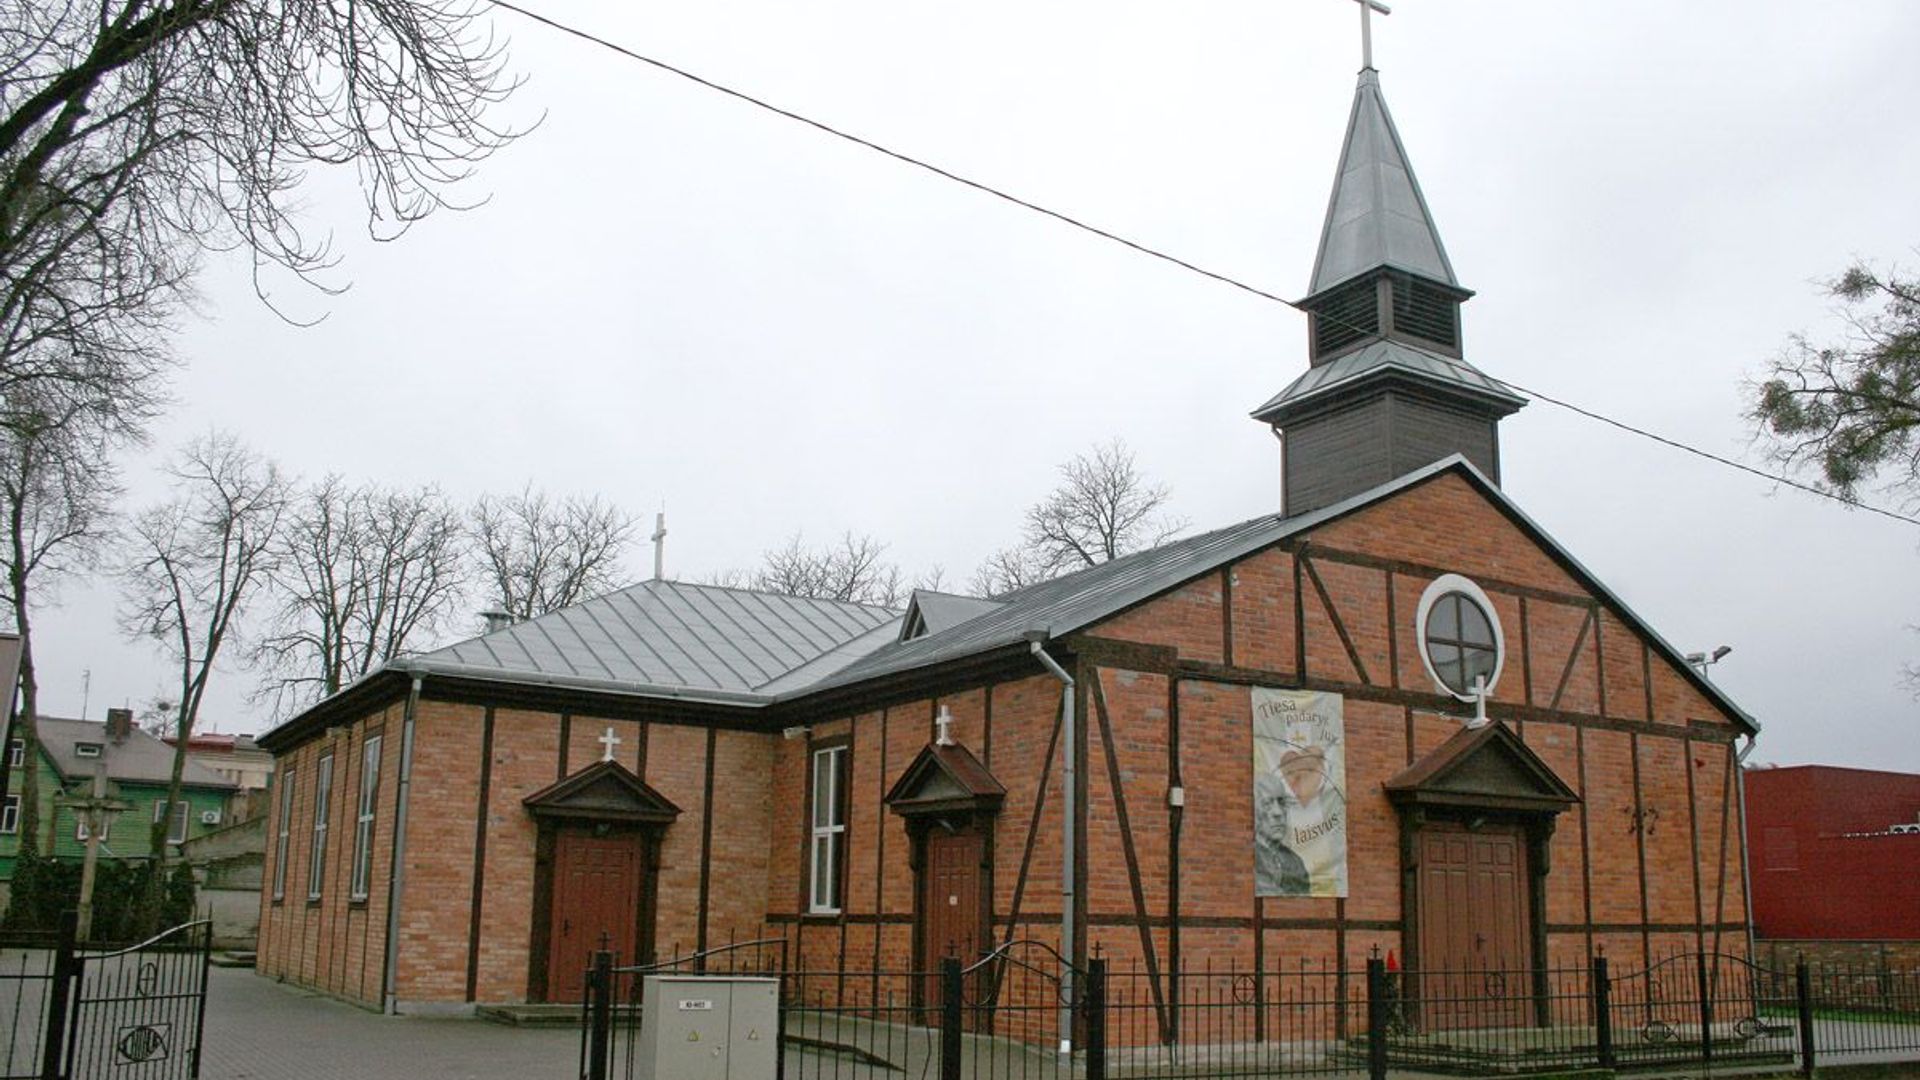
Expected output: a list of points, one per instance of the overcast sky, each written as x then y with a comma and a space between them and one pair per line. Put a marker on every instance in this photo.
672, 298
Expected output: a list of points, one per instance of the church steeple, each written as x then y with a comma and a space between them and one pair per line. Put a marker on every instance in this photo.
1388, 388
1377, 217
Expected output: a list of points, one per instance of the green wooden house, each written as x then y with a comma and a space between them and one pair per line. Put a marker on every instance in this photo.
138, 767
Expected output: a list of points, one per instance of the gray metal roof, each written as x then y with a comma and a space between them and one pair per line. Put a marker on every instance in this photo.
666, 635
1377, 216
1068, 603
139, 758
930, 612
1380, 357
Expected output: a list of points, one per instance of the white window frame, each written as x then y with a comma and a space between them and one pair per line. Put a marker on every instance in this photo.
177, 828
363, 821
284, 835
16, 753
87, 749
80, 827
317, 850
827, 819
10, 816
1442, 587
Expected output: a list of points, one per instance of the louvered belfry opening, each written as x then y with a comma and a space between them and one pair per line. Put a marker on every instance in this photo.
1345, 316
1425, 311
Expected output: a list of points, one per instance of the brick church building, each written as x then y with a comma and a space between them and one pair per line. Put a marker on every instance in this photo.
1393, 714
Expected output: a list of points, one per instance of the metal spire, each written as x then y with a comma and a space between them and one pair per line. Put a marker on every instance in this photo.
1367, 8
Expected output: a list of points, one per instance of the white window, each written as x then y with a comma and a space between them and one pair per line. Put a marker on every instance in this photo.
363, 822
10, 816
1460, 639
16, 753
284, 833
177, 830
86, 749
828, 851
80, 828
317, 856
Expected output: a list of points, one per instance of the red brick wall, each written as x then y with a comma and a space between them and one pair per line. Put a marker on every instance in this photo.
334, 944
338, 946
1583, 689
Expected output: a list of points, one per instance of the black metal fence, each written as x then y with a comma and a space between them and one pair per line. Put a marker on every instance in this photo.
1022, 1012
74, 1012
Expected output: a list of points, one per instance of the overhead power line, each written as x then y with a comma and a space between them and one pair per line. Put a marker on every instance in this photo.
1156, 253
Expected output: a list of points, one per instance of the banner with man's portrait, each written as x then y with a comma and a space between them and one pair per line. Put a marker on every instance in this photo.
1299, 793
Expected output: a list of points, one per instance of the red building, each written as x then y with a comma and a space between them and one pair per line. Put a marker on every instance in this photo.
1836, 859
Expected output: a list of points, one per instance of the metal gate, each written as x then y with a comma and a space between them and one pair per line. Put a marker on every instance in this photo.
134, 1013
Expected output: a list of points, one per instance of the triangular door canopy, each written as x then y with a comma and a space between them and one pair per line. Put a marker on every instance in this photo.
603, 791
1486, 768
943, 779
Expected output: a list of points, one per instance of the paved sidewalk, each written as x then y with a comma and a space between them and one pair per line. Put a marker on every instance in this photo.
258, 1029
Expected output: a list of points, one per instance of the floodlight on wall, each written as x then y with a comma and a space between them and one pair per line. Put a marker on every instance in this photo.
1700, 661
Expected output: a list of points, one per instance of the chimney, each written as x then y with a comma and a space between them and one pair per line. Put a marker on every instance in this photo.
119, 724
497, 620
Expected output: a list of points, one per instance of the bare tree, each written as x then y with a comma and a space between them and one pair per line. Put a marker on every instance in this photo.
194, 564
136, 133
1006, 571
850, 570
1104, 508
57, 486
363, 571
537, 554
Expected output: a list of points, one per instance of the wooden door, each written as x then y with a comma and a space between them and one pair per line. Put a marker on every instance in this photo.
1475, 927
596, 891
950, 899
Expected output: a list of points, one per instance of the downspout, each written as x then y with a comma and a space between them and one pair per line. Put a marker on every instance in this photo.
1746, 868
1036, 642
395, 880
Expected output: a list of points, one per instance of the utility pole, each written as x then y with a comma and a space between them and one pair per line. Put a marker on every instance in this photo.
95, 809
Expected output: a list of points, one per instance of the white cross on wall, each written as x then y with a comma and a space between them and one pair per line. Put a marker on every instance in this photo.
943, 725
1367, 8
609, 740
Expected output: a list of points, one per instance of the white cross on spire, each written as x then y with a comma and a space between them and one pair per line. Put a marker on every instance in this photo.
1367, 8
609, 740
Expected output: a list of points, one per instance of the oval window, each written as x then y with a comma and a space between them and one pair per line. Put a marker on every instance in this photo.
1460, 640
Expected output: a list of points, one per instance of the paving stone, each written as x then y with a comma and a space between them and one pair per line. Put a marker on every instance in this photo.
258, 1029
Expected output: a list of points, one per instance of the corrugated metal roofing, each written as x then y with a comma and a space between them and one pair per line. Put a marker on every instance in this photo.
676, 634
1377, 216
140, 758
1382, 356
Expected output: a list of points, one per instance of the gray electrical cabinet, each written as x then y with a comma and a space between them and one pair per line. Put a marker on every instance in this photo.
708, 1027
